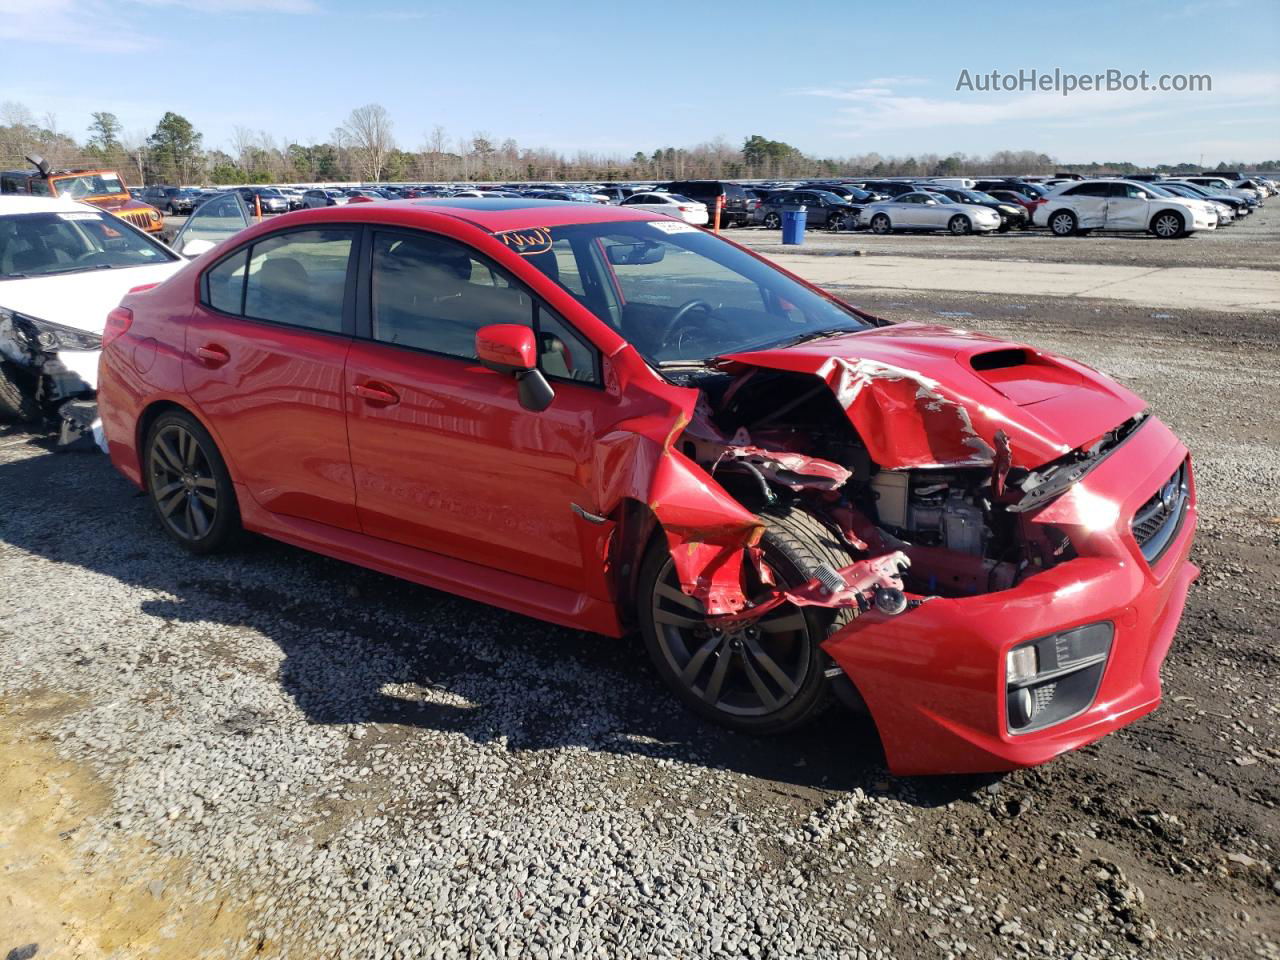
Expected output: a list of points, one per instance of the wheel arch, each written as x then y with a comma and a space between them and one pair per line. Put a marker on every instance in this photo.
160, 406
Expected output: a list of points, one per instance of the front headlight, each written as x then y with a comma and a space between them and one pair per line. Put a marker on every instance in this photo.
46, 337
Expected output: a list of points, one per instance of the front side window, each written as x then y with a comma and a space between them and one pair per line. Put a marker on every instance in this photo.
434, 294
43, 244
681, 295
299, 278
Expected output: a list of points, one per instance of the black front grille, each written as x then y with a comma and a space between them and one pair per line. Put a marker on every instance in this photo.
1158, 520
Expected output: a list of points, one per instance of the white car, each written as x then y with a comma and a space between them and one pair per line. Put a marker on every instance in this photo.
672, 204
921, 210
63, 267
1123, 205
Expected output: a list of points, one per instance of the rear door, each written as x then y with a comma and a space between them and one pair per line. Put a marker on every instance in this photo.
1089, 202
445, 457
265, 350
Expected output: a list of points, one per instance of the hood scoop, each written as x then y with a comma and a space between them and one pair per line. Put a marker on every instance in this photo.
1022, 375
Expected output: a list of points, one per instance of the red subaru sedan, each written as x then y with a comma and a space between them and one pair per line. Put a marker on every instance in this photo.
613, 420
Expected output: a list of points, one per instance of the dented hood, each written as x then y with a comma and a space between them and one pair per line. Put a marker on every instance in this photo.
927, 396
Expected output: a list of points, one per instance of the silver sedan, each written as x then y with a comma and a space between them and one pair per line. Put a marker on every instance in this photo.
928, 211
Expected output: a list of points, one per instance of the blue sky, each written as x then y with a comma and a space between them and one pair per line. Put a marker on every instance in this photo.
833, 78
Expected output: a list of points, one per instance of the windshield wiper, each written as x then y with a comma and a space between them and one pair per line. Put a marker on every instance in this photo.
813, 335
84, 269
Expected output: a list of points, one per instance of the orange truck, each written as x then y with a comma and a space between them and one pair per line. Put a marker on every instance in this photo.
104, 189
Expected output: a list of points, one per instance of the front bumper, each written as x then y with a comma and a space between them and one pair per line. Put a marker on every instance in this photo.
933, 677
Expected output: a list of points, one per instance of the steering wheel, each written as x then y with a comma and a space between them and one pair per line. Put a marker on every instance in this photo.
678, 317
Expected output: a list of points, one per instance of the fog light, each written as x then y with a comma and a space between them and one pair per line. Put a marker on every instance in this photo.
1021, 707
1021, 663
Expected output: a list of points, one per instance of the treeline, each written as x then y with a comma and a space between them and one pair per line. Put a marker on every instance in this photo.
364, 148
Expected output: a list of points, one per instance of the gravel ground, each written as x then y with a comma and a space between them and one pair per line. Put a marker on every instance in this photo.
271, 753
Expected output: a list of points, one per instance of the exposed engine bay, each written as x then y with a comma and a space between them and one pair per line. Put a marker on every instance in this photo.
770, 437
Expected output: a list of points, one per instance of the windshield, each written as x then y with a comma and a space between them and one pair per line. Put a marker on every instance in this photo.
44, 244
1158, 191
87, 185
677, 293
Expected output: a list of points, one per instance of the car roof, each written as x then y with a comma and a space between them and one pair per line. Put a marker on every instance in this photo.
497, 214
17, 203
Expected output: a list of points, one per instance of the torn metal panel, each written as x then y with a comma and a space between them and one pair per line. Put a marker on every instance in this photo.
923, 396
875, 582
906, 419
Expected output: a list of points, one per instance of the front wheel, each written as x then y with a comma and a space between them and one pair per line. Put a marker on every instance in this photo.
188, 483
17, 402
880, 224
1168, 225
762, 678
959, 225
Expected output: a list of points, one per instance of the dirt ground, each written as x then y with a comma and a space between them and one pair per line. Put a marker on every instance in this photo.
1161, 841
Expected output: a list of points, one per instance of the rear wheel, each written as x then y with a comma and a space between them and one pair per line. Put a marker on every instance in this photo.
880, 224
763, 678
188, 483
1063, 223
772, 221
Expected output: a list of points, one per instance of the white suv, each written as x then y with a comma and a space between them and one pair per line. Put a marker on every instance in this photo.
1122, 205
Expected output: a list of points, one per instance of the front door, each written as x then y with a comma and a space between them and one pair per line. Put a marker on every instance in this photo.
445, 458
265, 351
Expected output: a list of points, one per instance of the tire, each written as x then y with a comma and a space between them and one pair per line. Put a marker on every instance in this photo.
840, 221
1063, 223
794, 544
959, 225
1168, 225
772, 221
16, 404
186, 484
880, 224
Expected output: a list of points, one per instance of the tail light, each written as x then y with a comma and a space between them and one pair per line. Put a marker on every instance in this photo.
118, 322
686, 209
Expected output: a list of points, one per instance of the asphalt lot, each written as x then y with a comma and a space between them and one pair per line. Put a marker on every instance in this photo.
273, 753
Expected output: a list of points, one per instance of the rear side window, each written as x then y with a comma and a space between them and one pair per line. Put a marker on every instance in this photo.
225, 284
298, 278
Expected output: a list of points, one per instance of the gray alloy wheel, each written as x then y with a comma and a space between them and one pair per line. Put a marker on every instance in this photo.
752, 671
181, 483
188, 483
772, 221
880, 224
1167, 225
1063, 223
959, 225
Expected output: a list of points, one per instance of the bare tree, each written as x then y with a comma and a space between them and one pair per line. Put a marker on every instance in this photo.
135, 148
369, 128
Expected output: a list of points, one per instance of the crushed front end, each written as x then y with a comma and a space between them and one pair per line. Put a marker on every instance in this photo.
1017, 529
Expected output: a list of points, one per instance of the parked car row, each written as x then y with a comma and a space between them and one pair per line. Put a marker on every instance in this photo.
1065, 204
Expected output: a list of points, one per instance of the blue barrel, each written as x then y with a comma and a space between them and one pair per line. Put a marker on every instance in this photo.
793, 226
